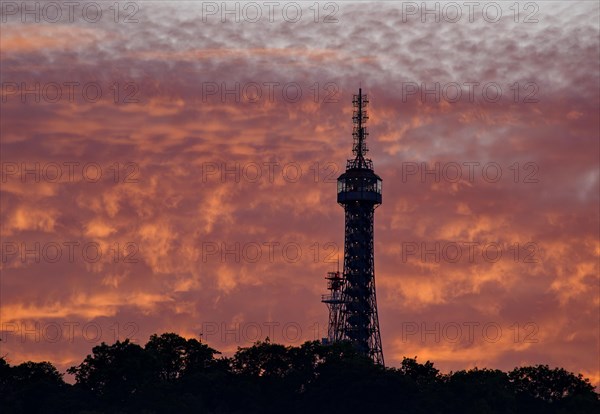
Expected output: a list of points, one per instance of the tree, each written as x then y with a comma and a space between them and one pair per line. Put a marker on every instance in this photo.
32, 387
174, 374
263, 359
116, 373
541, 389
423, 374
480, 391
168, 353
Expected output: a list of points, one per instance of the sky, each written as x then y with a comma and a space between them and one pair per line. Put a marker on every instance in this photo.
172, 166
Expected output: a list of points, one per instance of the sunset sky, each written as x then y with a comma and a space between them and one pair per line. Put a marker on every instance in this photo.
197, 193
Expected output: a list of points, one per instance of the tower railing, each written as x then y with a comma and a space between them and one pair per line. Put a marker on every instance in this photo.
359, 163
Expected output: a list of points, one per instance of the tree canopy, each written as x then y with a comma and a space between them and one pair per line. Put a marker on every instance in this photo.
172, 374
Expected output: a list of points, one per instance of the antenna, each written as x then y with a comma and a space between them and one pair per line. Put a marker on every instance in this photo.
359, 131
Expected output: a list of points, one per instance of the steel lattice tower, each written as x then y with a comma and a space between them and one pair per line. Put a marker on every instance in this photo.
359, 192
334, 303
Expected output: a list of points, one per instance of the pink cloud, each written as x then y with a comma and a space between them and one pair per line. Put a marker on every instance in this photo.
179, 180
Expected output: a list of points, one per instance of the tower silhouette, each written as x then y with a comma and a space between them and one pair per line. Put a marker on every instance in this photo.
333, 301
353, 303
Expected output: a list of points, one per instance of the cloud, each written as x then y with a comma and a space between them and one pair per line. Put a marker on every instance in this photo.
186, 204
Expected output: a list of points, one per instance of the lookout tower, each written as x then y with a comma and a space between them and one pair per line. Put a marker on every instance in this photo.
359, 192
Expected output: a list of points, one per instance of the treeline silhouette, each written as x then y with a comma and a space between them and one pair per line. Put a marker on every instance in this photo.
171, 374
